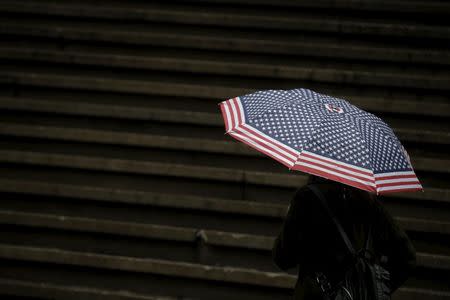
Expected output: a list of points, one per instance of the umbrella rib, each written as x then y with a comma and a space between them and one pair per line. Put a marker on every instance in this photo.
365, 142
381, 132
319, 124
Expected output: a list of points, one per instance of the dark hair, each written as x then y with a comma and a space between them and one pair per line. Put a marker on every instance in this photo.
346, 191
317, 179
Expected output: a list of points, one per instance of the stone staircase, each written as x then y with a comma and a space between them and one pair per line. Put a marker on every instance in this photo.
117, 180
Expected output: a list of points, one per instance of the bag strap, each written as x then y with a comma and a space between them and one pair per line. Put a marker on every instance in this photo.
341, 230
368, 239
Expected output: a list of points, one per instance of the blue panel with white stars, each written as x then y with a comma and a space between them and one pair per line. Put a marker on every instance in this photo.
305, 120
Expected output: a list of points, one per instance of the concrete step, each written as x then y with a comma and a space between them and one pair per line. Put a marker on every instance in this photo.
130, 188
152, 266
244, 200
242, 17
45, 290
229, 39
218, 238
163, 216
134, 196
195, 85
437, 259
145, 162
224, 249
136, 283
236, 246
149, 106
422, 159
419, 7
413, 129
158, 163
167, 59
227, 250
162, 267
205, 139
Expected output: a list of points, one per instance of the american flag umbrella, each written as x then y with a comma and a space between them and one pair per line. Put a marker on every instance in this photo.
323, 136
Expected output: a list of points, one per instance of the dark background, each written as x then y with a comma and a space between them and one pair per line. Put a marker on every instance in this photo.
117, 181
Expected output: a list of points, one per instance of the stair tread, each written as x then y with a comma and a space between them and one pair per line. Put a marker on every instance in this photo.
154, 162
179, 233
148, 265
92, 78
48, 290
210, 125
162, 267
230, 16
133, 190
108, 104
239, 65
216, 38
422, 159
104, 102
30, 234
422, 7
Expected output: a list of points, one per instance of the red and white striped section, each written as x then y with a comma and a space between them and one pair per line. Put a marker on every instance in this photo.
335, 170
397, 182
234, 118
232, 113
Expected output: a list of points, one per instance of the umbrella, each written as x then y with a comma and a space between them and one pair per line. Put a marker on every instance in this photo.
322, 135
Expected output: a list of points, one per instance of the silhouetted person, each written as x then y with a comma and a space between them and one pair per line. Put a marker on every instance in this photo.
310, 240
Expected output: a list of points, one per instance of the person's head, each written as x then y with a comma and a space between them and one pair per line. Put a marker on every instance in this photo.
345, 191
318, 179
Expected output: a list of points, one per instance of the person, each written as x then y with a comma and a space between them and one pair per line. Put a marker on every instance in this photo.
310, 240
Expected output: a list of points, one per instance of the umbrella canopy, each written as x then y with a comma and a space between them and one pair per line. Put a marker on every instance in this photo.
323, 136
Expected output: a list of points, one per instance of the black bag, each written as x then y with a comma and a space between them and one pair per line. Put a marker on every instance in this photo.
365, 278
